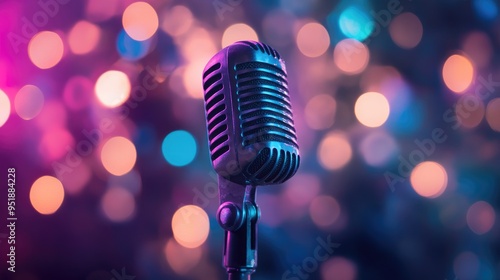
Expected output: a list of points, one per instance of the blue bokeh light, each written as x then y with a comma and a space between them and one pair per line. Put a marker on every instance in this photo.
179, 148
356, 23
486, 9
131, 49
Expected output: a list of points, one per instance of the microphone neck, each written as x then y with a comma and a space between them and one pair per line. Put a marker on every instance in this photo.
239, 275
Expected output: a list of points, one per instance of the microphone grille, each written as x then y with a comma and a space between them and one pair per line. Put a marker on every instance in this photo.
273, 166
216, 111
258, 46
264, 104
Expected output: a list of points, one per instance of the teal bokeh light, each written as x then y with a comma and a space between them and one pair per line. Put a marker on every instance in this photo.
356, 23
179, 148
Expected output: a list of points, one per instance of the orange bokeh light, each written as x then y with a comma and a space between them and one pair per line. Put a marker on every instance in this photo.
324, 210
429, 179
83, 37
118, 204
238, 32
177, 20
351, 56
181, 259
372, 109
112, 88
190, 226
118, 155
458, 73
320, 111
312, 39
334, 151
140, 21
46, 195
45, 49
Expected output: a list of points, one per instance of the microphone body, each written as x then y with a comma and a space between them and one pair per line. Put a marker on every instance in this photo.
251, 133
252, 140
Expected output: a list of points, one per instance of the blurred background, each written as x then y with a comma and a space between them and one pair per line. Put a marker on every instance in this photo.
396, 107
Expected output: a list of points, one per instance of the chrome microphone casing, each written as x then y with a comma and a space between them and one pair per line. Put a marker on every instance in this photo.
251, 134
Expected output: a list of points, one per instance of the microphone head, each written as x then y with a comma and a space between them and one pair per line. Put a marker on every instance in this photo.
251, 134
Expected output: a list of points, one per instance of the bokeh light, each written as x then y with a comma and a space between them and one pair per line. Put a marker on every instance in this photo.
29, 102
192, 73
493, 114
179, 148
196, 59
118, 155
334, 151
477, 46
313, 39
469, 110
140, 21
112, 88
324, 210
302, 189
83, 37
406, 30
118, 204
131, 181
355, 23
351, 56
4, 108
46, 195
131, 49
181, 259
481, 217
45, 49
320, 111
486, 9
338, 268
54, 143
372, 109
176, 20
458, 73
238, 32
378, 148
190, 226
429, 179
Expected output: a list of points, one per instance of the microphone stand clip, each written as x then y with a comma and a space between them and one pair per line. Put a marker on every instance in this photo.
238, 215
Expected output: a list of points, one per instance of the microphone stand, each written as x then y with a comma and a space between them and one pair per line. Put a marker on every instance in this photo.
238, 215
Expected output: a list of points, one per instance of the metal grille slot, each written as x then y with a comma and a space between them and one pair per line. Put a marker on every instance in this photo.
264, 105
215, 111
276, 166
262, 47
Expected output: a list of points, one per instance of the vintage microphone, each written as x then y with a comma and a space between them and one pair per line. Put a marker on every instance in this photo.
251, 138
